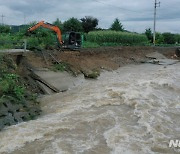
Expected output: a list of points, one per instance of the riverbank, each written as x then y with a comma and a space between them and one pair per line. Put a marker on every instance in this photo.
35, 71
103, 58
133, 109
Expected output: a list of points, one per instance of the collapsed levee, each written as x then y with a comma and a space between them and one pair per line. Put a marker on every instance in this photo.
54, 82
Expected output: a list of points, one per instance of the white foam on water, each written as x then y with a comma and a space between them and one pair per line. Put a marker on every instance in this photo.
135, 109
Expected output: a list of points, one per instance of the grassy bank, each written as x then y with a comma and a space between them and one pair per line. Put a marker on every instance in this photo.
17, 104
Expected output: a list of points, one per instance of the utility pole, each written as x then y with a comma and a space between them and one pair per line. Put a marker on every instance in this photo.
2, 22
156, 4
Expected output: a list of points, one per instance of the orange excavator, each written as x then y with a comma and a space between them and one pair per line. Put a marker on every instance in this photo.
72, 40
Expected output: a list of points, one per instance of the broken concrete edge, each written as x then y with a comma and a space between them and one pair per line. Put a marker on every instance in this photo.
48, 87
38, 78
159, 59
14, 50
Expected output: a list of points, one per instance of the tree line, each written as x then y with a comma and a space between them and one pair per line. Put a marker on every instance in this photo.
89, 23
163, 38
86, 24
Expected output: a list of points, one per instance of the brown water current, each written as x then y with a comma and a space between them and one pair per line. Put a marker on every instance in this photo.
133, 110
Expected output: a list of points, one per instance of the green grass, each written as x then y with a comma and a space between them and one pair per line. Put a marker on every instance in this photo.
167, 45
10, 82
87, 44
59, 67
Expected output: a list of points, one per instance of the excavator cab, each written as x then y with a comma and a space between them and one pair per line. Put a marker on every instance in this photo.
72, 40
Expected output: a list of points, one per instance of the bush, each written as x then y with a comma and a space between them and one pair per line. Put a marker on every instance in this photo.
73, 24
177, 38
89, 23
169, 38
149, 35
60, 67
124, 38
10, 85
159, 38
41, 39
87, 44
4, 29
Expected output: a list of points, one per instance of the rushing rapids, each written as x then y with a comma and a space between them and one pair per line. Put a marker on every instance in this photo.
134, 109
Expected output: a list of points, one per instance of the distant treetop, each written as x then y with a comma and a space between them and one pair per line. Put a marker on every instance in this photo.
116, 25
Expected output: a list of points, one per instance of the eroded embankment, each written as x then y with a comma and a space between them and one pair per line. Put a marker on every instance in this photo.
96, 59
89, 62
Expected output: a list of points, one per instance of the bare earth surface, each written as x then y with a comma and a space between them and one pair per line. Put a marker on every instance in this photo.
108, 58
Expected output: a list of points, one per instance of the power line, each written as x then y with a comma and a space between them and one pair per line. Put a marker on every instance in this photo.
119, 7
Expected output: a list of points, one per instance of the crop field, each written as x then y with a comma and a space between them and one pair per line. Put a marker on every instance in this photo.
123, 38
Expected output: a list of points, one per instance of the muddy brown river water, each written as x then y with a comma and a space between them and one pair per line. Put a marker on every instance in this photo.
133, 110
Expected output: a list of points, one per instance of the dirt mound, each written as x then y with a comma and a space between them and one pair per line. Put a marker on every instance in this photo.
108, 58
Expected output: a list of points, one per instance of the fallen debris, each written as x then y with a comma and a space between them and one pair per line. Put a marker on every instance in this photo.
160, 59
156, 55
163, 61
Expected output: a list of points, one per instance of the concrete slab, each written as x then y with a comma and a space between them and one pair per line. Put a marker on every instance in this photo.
45, 89
14, 51
60, 80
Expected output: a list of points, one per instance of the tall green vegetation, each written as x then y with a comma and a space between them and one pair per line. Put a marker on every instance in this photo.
89, 23
149, 34
43, 38
169, 38
11, 87
7, 38
4, 29
73, 24
116, 25
159, 38
163, 38
121, 38
177, 38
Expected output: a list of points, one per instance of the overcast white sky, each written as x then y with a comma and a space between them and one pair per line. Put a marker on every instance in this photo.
135, 15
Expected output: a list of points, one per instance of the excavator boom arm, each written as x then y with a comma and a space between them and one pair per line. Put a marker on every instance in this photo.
48, 26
